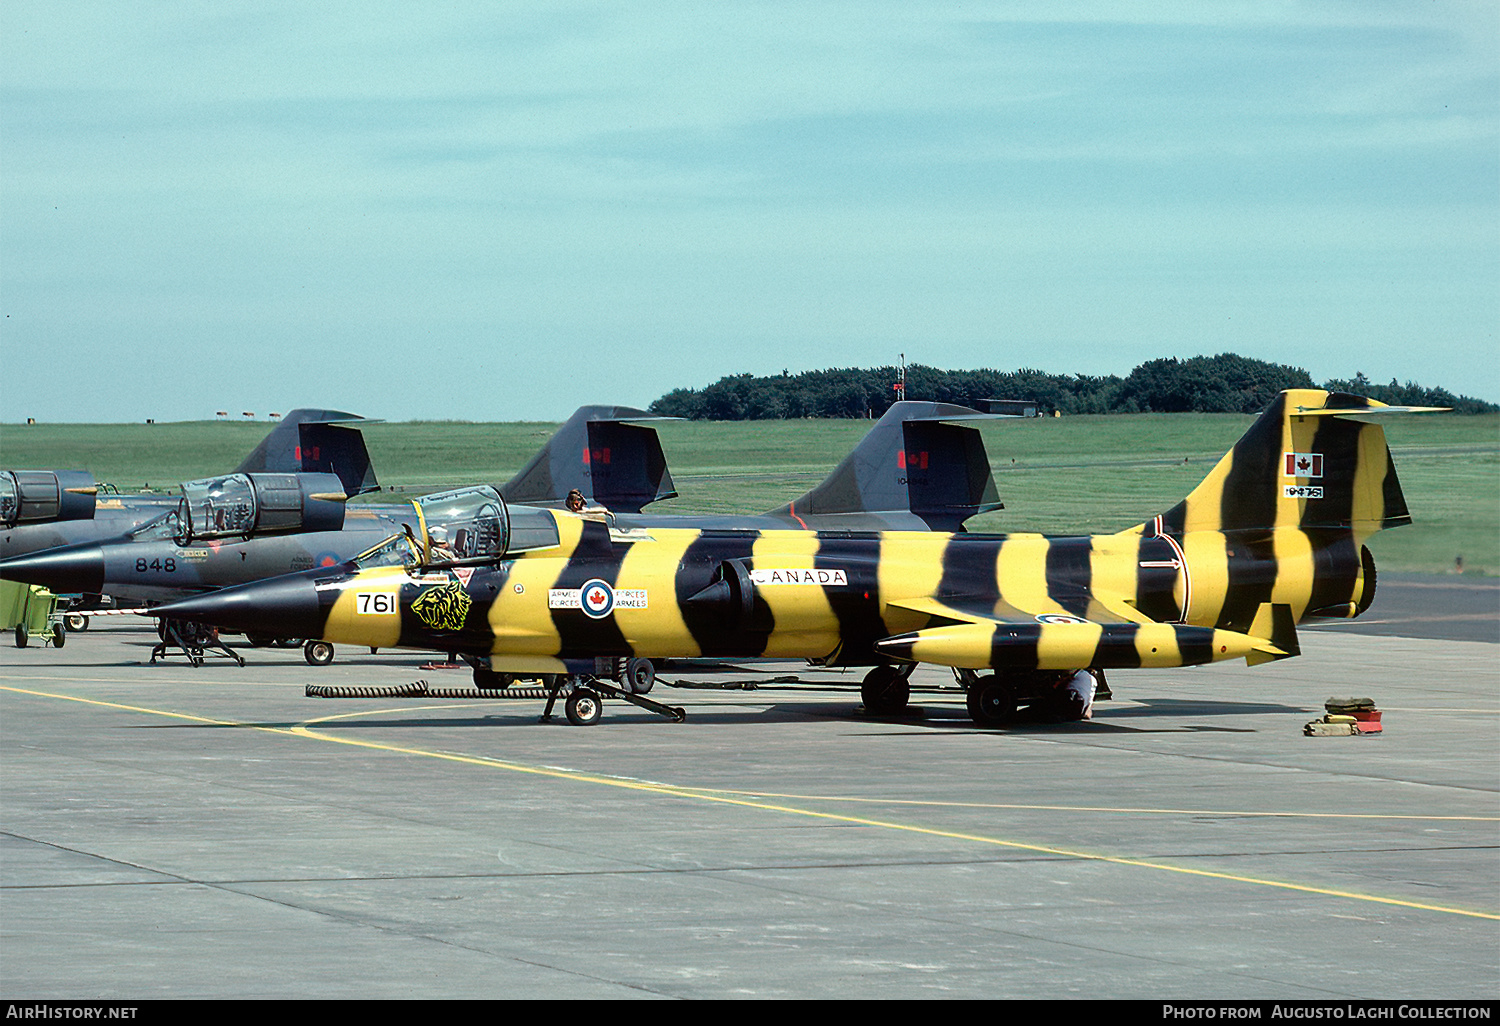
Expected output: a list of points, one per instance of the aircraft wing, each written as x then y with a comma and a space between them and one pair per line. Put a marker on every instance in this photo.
979, 634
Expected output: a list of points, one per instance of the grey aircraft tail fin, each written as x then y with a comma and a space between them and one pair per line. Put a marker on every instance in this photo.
911, 461
601, 451
316, 441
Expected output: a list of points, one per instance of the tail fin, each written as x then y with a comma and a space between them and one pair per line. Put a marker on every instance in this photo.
911, 461
600, 452
1284, 515
331, 448
1309, 462
315, 441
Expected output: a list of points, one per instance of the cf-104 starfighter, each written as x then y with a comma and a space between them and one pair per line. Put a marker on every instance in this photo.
1273, 536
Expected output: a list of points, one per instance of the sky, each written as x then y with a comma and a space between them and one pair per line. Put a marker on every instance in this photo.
502, 211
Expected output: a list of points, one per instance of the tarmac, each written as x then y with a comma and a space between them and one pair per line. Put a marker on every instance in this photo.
209, 832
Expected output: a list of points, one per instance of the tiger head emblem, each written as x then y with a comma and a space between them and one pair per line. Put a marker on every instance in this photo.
443, 608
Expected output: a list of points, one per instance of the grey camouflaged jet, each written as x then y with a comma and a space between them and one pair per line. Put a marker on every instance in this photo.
913, 471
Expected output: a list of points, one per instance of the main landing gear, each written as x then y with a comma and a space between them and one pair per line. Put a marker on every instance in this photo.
887, 689
995, 699
992, 701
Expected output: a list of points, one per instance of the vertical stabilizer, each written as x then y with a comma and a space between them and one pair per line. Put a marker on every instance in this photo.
1309, 461
281, 452
331, 448
1283, 517
911, 461
604, 454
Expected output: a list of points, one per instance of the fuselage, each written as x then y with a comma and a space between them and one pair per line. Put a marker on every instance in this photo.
826, 596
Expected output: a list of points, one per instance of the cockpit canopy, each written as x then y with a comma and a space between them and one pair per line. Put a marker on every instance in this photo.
248, 505
475, 525
41, 496
466, 525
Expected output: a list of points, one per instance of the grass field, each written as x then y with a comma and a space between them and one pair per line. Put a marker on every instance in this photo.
1056, 475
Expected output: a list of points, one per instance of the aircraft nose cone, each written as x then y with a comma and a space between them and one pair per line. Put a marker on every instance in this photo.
284, 607
64, 571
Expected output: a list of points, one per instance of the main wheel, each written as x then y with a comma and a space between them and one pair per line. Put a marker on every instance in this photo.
992, 702
583, 707
640, 674
318, 653
885, 691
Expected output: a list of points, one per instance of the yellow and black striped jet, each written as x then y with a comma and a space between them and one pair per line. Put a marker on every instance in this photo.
1274, 535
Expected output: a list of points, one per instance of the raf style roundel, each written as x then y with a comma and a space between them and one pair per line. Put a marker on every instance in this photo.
597, 598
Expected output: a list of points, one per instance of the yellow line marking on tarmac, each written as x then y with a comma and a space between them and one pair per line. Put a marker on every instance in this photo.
150, 712
708, 795
172, 683
1100, 808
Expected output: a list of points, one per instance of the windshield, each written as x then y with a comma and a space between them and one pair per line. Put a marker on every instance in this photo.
161, 526
397, 550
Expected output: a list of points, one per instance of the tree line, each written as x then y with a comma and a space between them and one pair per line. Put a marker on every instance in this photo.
1204, 384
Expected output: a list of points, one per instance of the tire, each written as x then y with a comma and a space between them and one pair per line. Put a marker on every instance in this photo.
640, 675
260, 640
20, 635
583, 707
885, 691
992, 702
318, 653
59, 635
76, 622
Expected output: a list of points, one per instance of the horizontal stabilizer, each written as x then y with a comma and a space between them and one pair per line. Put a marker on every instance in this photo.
1005, 407
1356, 407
